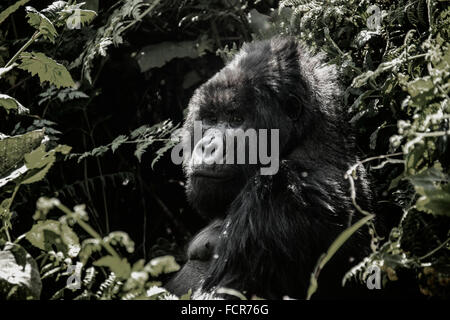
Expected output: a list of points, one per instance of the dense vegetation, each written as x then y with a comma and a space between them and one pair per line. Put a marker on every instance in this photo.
90, 93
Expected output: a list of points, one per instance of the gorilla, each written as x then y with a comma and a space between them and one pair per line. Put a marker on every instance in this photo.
268, 231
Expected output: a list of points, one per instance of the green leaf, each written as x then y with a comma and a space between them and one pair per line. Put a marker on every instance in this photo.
164, 264
11, 9
53, 235
169, 145
433, 186
334, 247
436, 201
420, 86
119, 266
40, 161
41, 23
117, 142
415, 159
53, 11
19, 274
13, 149
9, 103
429, 178
119, 237
157, 55
38, 158
142, 147
47, 69
79, 17
187, 295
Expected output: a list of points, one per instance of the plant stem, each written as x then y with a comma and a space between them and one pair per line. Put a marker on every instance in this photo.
141, 16
442, 245
36, 35
8, 208
88, 229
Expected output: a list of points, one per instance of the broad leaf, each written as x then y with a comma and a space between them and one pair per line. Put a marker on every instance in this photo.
41, 23
119, 266
53, 235
436, 201
9, 103
13, 149
157, 55
40, 161
47, 69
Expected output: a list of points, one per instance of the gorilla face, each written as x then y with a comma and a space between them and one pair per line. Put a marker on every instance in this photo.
237, 139
213, 176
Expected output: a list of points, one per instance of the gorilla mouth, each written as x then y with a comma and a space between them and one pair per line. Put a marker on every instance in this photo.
212, 174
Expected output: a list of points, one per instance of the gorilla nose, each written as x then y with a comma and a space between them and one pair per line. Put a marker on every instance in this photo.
209, 150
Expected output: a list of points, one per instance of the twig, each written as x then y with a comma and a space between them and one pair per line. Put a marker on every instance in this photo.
442, 245
88, 229
36, 35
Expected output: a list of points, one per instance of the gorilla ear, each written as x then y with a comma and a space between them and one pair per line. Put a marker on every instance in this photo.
293, 107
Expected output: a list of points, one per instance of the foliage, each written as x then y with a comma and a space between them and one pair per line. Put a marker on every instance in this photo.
27, 158
395, 60
143, 137
47, 69
78, 263
112, 32
97, 81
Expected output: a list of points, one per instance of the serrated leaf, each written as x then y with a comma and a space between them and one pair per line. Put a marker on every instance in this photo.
142, 147
161, 152
46, 68
79, 17
119, 266
139, 131
435, 201
99, 151
53, 235
41, 23
9, 103
53, 10
429, 178
117, 142
11, 9
433, 186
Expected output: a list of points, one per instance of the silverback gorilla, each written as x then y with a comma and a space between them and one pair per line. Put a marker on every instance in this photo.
268, 231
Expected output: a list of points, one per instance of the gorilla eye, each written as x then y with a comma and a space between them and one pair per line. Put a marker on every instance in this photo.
211, 119
236, 119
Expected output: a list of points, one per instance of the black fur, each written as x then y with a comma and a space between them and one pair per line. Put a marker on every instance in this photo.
271, 230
